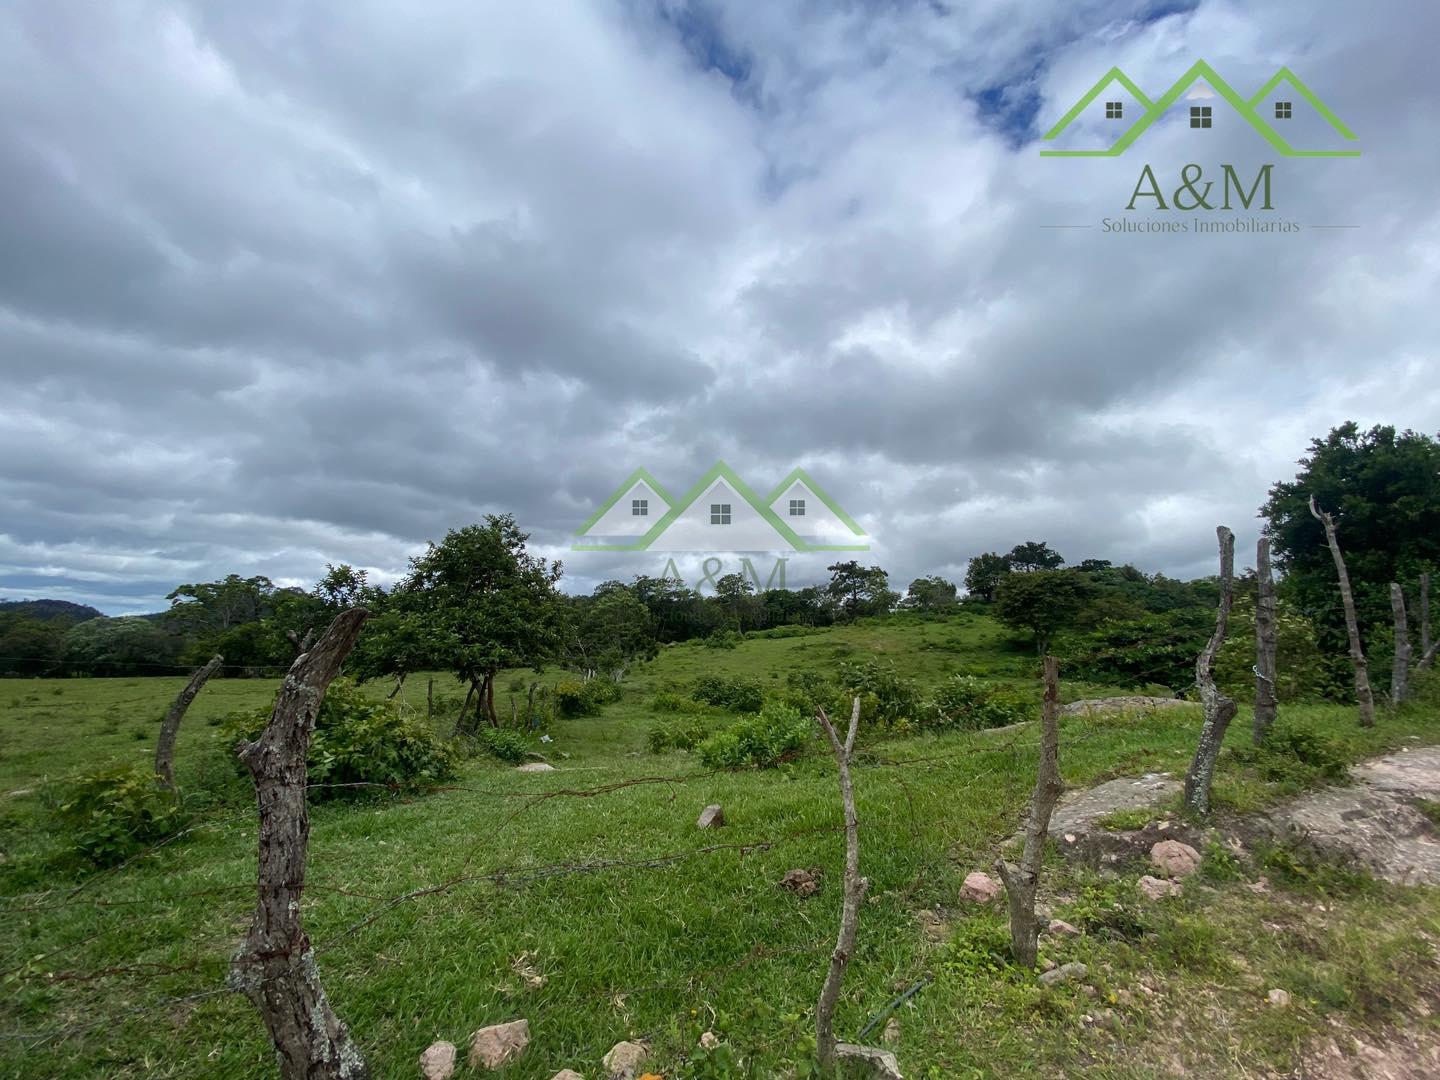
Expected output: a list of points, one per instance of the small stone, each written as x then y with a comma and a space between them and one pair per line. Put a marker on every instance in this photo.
709, 1040
891, 1035
438, 1061
1088, 990
624, 1060
567, 1074
712, 817
1124, 997
1260, 886
493, 1046
1174, 859
535, 766
932, 927
1060, 926
980, 888
870, 1060
801, 882
1153, 888
1279, 998
1046, 964
1064, 973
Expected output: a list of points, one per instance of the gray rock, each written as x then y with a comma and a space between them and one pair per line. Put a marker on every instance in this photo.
891, 1035
438, 1061
712, 817
535, 766
624, 1060
1064, 973
801, 882
1153, 888
567, 1074
867, 1061
491, 1047
1278, 998
1075, 825
1061, 927
1136, 703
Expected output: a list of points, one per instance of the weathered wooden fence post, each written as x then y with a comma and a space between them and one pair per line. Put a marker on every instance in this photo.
854, 895
1021, 882
1219, 709
1400, 668
1266, 629
170, 727
275, 967
1363, 696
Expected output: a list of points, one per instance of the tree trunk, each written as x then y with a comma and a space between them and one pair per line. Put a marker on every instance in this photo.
1400, 669
1363, 697
1022, 881
429, 700
855, 887
275, 967
1425, 617
170, 728
460, 728
1266, 701
1219, 709
489, 700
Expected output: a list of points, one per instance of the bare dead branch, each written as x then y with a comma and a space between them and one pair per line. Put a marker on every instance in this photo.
170, 727
1266, 703
1219, 709
1363, 696
275, 967
855, 887
1022, 882
1427, 651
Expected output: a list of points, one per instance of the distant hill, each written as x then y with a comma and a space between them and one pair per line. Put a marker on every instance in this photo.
51, 610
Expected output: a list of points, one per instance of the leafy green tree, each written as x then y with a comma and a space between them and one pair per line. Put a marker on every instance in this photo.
1156, 648
609, 631
738, 603
1383, 488
130, 645
1034, 555
483, 603
797, 607
984, 574
211, 606
30, 646
859, 590
680, 613
930, 594
1043, 602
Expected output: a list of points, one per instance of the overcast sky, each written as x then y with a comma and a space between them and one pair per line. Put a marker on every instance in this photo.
284, 283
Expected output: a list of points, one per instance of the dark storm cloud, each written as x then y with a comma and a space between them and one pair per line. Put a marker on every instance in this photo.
283, 284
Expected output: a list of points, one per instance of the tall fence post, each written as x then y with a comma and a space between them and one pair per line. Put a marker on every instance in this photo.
1266, 700
1219, 709
1363, 696
170, 727
275, 966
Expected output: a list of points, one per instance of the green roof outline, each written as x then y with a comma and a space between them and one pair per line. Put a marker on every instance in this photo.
819, 492
717, 471
1201, 70
620, 492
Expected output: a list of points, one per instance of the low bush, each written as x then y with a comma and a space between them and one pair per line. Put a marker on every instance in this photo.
671, 701
358, 741
114, 812
576, 698
887, 700
729, 692
777, 733
723, 639
1296, 758
675, 735
504, 743
965, 703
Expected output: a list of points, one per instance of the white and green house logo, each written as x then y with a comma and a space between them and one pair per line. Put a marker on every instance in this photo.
720, 512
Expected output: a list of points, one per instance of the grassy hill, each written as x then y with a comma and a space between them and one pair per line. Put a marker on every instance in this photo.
595, 878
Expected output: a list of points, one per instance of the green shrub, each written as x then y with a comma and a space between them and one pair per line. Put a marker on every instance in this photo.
887, 700
675, 735
811, 690
669, 701
116, 811
729, 692
1295, 758
504, 743
359, 741
775, 734
723, 639
965, 703
576, 698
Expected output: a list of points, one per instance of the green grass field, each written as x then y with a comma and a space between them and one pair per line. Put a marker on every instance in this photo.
643, 927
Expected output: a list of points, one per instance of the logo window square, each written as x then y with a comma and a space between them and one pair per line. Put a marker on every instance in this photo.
719, 513
797, 507
640, 507
1200, 116
1284, 110
1114, 110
